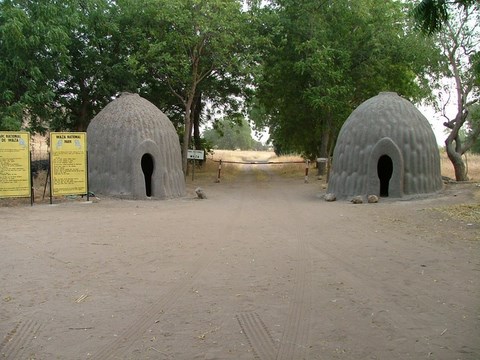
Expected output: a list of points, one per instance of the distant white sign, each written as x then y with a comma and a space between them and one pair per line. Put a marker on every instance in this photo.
196, 154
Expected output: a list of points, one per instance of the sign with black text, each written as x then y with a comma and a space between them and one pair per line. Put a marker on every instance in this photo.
196, 154
68, 163
15, 178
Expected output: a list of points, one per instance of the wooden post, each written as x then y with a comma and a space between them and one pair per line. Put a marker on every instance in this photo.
219, 171
32, 189
307, 163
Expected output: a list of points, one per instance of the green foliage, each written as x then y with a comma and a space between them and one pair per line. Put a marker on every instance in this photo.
63, 61
324, 59
229, 135
301, 67
476, 147
97, 70
473, 126
185, 50
60, 62
33, 56
459, 41
431, 15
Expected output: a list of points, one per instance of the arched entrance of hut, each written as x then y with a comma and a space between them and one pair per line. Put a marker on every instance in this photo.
384, 172
147, 168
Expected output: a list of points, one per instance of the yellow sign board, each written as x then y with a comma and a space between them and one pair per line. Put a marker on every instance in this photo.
15, 180
68, 163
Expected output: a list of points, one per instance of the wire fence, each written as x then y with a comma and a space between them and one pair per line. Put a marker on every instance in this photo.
258, 162
39, 148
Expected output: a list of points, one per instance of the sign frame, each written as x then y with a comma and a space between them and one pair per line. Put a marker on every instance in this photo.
15, 161
195, 154
68, 164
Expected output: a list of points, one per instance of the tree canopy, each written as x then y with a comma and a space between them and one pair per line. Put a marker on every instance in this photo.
33, 58
192, 50
325, 58
431, 15
231, 135
459, 40
300, 67
473, 120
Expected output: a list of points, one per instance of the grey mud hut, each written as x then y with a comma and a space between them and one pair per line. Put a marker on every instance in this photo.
134, 151
385, 148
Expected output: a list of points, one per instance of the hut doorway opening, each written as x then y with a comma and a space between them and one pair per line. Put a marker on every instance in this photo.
384, 171
147, 168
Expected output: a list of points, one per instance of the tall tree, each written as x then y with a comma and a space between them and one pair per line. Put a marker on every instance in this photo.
325, 58
195, 49
460, 39
60, 62
432, 14
98, 68
473, 123
230, 135
33, 59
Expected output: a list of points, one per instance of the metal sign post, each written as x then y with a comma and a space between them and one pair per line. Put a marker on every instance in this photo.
68, 163
307, 165
195, 155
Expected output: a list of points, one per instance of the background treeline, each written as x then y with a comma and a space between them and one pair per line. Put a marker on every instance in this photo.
296, 67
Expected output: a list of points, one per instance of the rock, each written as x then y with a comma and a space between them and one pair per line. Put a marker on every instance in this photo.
357, 200
200, 193
448, 180
372, 199
330, 197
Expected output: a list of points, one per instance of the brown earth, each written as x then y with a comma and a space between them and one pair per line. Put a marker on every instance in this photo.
262, 269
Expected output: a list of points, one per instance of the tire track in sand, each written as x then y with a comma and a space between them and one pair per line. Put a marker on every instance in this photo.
119, 347
294, 342
136, 329
295, 338
258, 336
16, 343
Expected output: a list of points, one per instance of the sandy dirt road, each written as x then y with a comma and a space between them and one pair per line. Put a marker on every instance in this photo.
260, 270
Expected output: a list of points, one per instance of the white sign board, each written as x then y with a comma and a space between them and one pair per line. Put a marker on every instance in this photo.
196, 154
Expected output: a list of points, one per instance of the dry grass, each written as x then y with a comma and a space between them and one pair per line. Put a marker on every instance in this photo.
41, 190
39, 146
468, 213
231, 167
40, 151
230, 171
234, 162
472, 162
286, 167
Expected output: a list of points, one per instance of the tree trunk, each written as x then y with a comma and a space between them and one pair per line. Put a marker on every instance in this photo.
457, 161
186, 137
322, 166
82, 120
196, 121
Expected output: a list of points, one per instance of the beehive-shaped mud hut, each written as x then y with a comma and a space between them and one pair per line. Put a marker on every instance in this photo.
134, 151
385, 148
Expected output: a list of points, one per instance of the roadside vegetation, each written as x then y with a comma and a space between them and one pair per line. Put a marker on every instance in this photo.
295, 68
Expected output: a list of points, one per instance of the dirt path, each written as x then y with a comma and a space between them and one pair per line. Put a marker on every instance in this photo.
259, 270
